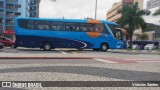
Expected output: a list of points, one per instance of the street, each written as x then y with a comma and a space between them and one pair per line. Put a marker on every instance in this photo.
73, 65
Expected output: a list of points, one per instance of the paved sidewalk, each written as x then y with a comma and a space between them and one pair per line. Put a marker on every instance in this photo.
82, 55
136, 51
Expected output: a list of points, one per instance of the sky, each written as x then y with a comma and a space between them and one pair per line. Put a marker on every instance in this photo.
80, 9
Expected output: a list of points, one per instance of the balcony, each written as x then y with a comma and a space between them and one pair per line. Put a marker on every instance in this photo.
1, 23
1, 26
1, 6
11, 1
11, 16
32, 4
1, 14
12, 8
9, 28
9, 24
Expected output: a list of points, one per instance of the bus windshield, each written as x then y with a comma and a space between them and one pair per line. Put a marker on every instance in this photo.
116, 32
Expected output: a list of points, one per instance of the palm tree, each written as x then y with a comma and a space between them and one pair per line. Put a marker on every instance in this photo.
157, 12
132, 18
143, 36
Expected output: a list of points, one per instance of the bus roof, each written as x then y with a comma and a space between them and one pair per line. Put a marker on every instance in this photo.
72, 20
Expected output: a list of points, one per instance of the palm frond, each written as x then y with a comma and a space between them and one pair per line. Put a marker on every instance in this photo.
157, 12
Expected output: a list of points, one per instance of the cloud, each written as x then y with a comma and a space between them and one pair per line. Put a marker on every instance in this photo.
74, 8
81, 9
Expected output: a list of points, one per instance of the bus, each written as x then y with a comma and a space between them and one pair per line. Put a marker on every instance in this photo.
49, 34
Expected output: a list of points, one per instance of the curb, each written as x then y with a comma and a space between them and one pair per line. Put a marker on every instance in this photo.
46, 57
153, 53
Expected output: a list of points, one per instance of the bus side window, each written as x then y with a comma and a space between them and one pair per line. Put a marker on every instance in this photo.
99, 28
72, 27
91, 28
31, 25
83, 27
23, 23
58, 26
42, 25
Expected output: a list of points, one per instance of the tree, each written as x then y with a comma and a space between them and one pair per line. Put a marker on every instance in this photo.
142, 36
157, 12
132, 18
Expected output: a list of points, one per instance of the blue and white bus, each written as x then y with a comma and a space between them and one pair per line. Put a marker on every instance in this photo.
67, 33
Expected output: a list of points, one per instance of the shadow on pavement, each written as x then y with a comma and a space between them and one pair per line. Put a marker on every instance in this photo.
93, 71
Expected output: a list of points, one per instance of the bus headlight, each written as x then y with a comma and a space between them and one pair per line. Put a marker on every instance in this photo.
120, 42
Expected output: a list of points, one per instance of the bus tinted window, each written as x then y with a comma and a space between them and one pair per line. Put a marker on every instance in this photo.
91, 28
58, 26
23, 23
99, 28
114, 30
72, 27
42, 25
84, 27
61, 26
30, 25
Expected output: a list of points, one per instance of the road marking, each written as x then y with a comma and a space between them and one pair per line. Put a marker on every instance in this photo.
62, 52
142, 59
102, 60
148, 61
135, 59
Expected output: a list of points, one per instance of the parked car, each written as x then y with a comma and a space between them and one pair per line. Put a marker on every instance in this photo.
1, 45
7, 42
135, 47
150, 47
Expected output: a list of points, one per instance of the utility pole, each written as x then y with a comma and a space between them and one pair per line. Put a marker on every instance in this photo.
96, 10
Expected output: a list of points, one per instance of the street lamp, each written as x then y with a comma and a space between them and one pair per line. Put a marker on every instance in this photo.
96, 10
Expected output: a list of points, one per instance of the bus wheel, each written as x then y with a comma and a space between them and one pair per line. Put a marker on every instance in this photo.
47, 46
104, 47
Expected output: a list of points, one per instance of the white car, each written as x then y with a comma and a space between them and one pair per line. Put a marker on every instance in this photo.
135, 47
150, 47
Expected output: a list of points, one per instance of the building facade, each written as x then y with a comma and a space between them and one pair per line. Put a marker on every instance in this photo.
153, 3
34, 8
10, 9
156, 35
113, 15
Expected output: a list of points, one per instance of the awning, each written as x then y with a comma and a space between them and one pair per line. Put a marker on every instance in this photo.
8, 32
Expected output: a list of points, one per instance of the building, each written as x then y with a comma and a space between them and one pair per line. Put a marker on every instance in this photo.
10, 9
153, 3
156, 35
34, 8
113, 15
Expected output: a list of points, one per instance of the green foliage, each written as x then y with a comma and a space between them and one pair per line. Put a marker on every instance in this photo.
132, 18
142, 37
152, 27
157, 12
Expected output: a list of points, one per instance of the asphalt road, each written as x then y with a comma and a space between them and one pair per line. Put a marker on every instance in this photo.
50, 61
80, 71
107, 67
